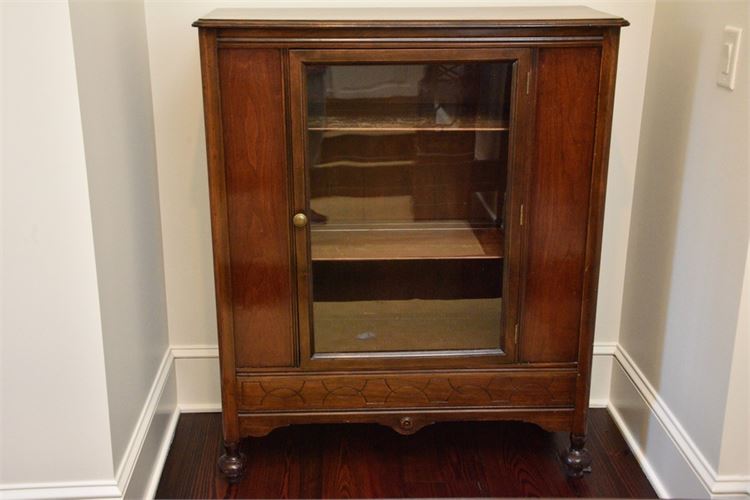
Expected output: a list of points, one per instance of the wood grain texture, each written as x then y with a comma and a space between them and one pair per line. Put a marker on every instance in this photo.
258, 206
453, 17
405, 422
505, 459
546, 273
219, 231
468, 390
558, 203
596, 222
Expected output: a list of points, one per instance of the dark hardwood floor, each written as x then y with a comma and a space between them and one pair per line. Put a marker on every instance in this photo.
369, 461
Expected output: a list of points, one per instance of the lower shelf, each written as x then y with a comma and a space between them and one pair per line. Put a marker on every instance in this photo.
395, 244
407, 325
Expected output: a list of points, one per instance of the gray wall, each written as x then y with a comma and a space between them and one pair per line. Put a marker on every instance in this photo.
689, 229
111, 54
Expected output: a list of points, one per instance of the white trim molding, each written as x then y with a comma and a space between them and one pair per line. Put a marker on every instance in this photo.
200, 408
605, 348
726, 486
125, 471
144, 431
608, 355
638, 453
161, 456
212, 351
80, 489
713, 484
195, 351
203, 400
117, 487
601, 374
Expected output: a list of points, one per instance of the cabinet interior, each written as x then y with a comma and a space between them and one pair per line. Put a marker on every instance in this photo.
408, 167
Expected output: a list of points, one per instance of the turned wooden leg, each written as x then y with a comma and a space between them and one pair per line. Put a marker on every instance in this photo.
577, 459
232, 462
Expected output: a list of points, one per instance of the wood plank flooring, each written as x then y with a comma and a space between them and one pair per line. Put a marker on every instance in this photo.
492, 459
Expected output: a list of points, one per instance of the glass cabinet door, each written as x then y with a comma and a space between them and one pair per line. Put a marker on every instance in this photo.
407, 168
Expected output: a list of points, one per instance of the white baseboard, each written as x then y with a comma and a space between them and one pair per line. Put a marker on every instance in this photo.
195, 351
727, 486
124, 473
668, 457
197, 396
198, 374
674, 466
129, 472
211, 351
651, 475
667, 454
198, 387
605, 348
601, 374
43, 491
200, 408
161, 456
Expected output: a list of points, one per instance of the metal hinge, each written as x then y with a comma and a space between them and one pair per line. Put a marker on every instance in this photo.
521, 216
528, 82
516, 334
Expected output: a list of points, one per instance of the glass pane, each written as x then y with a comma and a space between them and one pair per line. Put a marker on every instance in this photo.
408, 168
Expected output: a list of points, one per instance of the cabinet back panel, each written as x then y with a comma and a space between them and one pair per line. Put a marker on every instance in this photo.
560, 184
252, 96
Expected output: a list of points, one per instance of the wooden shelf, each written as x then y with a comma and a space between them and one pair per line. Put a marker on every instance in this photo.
406, 244
407, 325
379, 123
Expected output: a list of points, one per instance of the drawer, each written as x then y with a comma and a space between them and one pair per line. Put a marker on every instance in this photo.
483, 389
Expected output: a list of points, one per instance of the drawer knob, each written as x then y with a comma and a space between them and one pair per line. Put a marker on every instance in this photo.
406, 423
299, 220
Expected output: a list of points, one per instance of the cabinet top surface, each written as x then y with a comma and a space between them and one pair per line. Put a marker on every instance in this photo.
402, 17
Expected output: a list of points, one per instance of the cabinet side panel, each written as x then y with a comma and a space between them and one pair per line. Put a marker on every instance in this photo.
252, 102
558, 203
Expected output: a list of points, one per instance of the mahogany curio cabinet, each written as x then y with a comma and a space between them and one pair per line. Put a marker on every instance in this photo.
406, 212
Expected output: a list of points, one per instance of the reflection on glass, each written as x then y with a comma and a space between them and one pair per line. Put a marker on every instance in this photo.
408, 167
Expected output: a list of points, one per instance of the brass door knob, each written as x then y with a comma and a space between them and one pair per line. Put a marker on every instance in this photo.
299, 220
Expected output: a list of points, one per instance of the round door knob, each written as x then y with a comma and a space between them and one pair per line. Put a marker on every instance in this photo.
300, 220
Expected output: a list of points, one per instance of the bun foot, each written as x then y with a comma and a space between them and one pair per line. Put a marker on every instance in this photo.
577, 459
232, 462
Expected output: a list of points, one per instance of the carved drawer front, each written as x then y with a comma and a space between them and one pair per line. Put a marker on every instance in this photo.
429, 390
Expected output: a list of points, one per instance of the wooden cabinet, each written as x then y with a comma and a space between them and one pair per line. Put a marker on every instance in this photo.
407, 211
